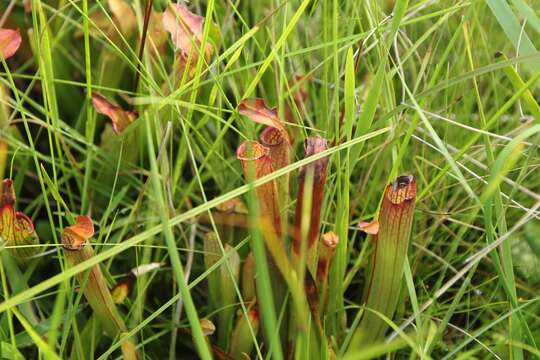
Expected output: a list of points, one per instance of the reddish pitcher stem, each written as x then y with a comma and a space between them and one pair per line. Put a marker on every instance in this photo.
391, 243
317, 170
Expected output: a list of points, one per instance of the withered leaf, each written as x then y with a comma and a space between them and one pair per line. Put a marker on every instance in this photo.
120, 118
186, 30
257, 110
10, 40
369, 227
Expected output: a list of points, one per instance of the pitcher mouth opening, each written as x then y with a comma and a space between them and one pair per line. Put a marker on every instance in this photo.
402, 189
272, 136
251, 150
402, 181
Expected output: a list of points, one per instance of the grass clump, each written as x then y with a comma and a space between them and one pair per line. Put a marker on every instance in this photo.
239, 171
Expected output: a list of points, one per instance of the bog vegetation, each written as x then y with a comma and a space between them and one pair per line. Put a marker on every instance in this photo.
294, 179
